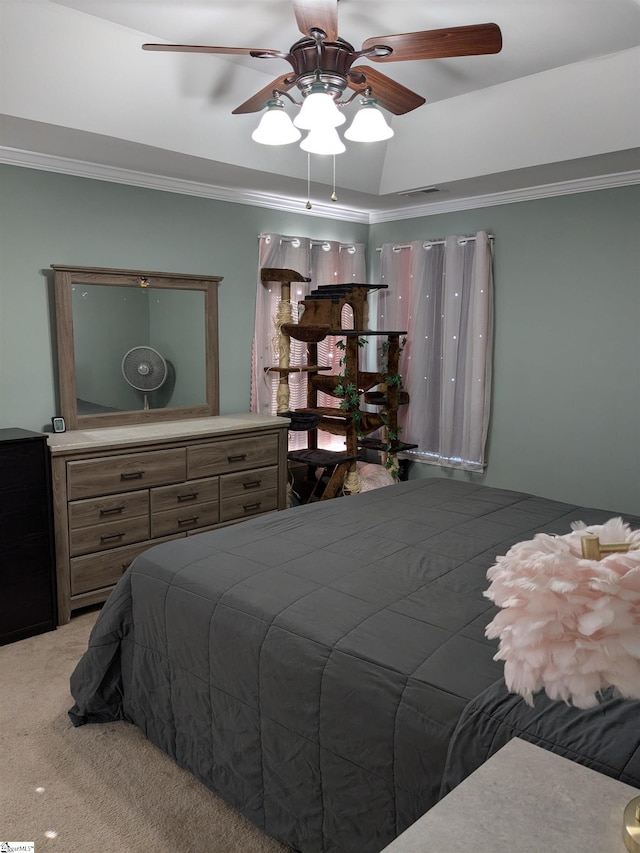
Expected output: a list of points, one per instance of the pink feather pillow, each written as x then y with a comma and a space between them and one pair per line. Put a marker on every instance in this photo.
568, 625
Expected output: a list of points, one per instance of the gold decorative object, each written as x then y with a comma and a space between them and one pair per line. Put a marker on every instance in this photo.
593, 550
631, 826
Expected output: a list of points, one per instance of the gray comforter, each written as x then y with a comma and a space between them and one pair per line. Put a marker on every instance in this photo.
605, 738
310, 666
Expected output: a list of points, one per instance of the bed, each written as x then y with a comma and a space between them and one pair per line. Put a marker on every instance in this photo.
325, 669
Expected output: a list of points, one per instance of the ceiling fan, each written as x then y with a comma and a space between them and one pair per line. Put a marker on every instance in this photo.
323, 57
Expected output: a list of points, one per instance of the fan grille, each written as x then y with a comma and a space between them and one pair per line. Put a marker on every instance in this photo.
144, 368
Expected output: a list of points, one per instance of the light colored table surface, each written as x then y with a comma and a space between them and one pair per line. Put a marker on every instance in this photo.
524, 799
87, 439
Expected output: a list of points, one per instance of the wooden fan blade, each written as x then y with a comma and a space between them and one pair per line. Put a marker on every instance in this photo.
439, 44
318, 14
203, 48
391, 95
256, 102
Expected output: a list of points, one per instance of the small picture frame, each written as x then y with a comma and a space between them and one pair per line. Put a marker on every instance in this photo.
58, 424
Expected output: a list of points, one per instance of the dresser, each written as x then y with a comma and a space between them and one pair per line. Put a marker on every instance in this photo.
117, 491
27, 577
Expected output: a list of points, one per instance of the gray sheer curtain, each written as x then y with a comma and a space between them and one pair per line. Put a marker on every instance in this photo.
441, 292
325, 262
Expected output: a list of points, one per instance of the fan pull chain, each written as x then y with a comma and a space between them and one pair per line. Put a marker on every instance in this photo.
308, 205
334, 197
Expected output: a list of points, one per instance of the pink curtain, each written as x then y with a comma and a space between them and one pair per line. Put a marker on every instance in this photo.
441, 291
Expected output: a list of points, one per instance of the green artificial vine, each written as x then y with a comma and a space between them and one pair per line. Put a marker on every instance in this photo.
391, 379
347, 390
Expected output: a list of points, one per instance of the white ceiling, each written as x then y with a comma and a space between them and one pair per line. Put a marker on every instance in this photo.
560, 102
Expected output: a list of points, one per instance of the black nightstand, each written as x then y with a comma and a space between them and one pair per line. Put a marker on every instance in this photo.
27, 558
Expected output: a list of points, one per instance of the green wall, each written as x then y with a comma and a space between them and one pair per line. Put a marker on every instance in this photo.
566, 381
48, 218
566, 384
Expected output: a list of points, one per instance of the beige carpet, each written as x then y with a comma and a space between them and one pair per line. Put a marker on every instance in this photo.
100, 787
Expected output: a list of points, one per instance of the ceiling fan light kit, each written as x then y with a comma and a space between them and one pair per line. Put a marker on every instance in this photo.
320, 115
318, 110
275, 128
369, 124
323, 140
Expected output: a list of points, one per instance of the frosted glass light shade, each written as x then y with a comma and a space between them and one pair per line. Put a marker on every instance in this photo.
323, 141
368, 125
318, 110
275, 128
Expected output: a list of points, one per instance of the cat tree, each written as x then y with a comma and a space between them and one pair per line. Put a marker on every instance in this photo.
382, 388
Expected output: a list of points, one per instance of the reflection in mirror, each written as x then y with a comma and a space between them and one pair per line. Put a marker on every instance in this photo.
135, 346
111, 322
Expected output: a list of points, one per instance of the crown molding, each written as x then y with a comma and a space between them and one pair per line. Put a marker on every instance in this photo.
580, 185
95, 171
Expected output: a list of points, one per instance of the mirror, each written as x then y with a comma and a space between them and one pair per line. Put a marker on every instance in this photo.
135, 346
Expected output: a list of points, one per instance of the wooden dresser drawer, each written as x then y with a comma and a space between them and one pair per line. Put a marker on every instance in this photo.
113, 474
105, 569
111, 534
248, 481
185, 518
184, 494
244, 506
112, 508
237, 454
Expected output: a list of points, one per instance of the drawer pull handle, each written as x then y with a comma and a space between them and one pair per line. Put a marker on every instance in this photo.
190, 497
256, 505
192, 520
239, 457
107, 537
252, 484
112, 510
132, 475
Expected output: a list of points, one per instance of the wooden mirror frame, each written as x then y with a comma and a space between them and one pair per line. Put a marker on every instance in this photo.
66, 277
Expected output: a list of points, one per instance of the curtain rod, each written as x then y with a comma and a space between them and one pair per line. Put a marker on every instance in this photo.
428, 243
323, 243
